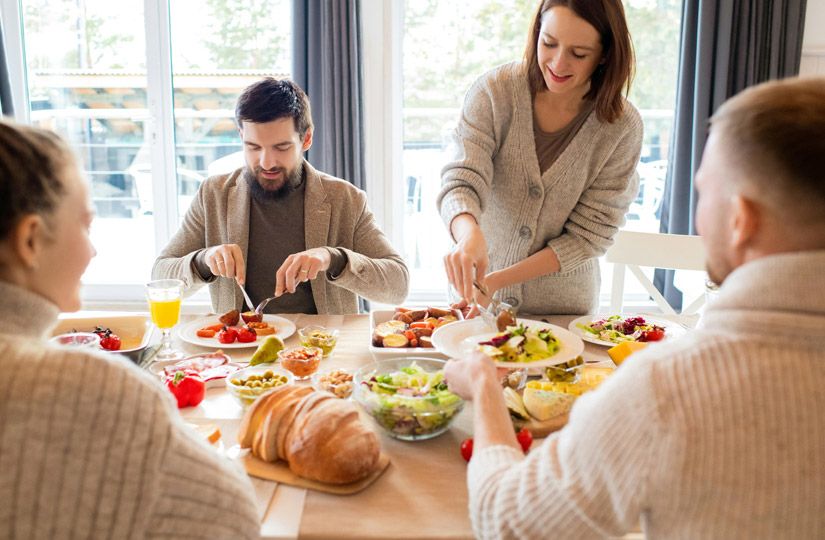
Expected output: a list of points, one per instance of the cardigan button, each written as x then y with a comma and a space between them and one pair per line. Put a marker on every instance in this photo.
525, 232
535, 191
512, 300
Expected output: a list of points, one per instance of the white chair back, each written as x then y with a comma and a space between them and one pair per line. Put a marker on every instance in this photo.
632, 250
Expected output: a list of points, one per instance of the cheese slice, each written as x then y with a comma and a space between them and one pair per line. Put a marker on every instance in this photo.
545, 404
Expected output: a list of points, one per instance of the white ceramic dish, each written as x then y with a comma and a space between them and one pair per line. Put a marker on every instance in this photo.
460, 338
158, 368
189, 332
673, 329
134, 329
383, 315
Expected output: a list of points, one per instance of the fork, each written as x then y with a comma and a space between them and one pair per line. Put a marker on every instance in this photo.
260, 309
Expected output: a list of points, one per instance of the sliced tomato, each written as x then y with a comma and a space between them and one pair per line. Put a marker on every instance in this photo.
245, 335
228, 335
656, 334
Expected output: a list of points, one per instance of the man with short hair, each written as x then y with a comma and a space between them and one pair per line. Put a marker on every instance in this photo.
718, 434
278, 227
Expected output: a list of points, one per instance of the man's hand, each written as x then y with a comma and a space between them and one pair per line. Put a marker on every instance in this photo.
226, 260
300, 267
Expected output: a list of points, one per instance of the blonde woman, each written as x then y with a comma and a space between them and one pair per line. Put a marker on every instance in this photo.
90, 446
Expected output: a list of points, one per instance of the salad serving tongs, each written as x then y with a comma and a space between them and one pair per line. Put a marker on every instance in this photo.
488, 314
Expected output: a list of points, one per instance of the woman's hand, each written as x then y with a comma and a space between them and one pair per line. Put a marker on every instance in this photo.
469, 259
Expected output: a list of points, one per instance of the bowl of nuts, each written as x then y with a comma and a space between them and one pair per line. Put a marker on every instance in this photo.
250, 383
335, 381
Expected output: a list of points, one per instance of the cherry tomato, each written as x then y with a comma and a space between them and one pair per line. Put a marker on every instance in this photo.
467, 449
227, 335
657, 334
108, 340
525, 439
245, 335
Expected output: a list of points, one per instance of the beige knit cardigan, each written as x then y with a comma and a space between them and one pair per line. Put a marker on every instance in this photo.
335, 215
575, 207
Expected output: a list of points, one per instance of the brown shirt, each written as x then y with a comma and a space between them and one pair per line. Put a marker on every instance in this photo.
550, 145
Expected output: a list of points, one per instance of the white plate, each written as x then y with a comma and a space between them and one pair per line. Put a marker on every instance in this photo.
379, 316
189, 332
134, 329
673, 329
456, 339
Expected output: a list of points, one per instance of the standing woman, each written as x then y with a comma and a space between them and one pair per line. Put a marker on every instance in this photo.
91, 446
546, 153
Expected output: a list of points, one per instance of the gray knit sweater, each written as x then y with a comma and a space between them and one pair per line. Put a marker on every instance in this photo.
93, 447
717, 435
575, 207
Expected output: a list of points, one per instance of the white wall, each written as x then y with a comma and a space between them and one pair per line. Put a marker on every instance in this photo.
814, 37
813, 41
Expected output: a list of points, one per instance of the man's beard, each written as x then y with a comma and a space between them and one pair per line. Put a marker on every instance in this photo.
292, 180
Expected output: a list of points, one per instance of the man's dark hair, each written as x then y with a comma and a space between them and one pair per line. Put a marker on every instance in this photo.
272, 99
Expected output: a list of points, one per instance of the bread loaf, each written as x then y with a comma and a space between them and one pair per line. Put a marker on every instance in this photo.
320, 437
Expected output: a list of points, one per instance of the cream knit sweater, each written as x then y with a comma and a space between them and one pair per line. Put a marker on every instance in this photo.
575, 207
92, 447
718, 435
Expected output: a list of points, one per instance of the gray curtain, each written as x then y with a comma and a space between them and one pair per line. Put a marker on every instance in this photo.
6, 103
327, 65
726, 46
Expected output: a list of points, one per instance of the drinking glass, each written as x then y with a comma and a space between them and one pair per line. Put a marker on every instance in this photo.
164, 296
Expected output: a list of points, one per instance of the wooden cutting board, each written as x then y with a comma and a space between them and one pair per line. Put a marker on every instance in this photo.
279, 472
541, 429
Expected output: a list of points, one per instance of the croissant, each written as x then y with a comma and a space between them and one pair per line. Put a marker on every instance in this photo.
320, 437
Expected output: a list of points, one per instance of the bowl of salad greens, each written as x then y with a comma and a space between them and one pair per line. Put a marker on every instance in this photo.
408, 397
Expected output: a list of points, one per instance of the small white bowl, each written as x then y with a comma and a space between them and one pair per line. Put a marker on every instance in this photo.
245, 394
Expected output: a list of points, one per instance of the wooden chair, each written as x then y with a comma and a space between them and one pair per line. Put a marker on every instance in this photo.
632, 250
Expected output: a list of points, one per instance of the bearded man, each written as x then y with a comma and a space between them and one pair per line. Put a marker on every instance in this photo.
278, 226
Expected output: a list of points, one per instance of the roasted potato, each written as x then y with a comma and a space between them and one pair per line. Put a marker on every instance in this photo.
403, 317
438, 312
396, 341
386, 329
230, 318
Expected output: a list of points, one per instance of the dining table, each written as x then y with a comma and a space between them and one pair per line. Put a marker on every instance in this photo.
421, 494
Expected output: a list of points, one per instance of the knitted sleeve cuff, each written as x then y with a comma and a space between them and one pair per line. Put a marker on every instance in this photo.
461, 200
570, 251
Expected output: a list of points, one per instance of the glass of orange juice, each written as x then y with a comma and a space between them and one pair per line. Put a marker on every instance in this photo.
164, 296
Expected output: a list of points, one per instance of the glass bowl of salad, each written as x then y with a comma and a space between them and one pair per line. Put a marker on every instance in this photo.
408, 397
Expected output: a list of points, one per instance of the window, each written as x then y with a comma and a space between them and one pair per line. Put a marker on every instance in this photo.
447, 45
149, 119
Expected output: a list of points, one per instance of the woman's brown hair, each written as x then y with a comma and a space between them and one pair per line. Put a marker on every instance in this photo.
613, 74
32, 161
